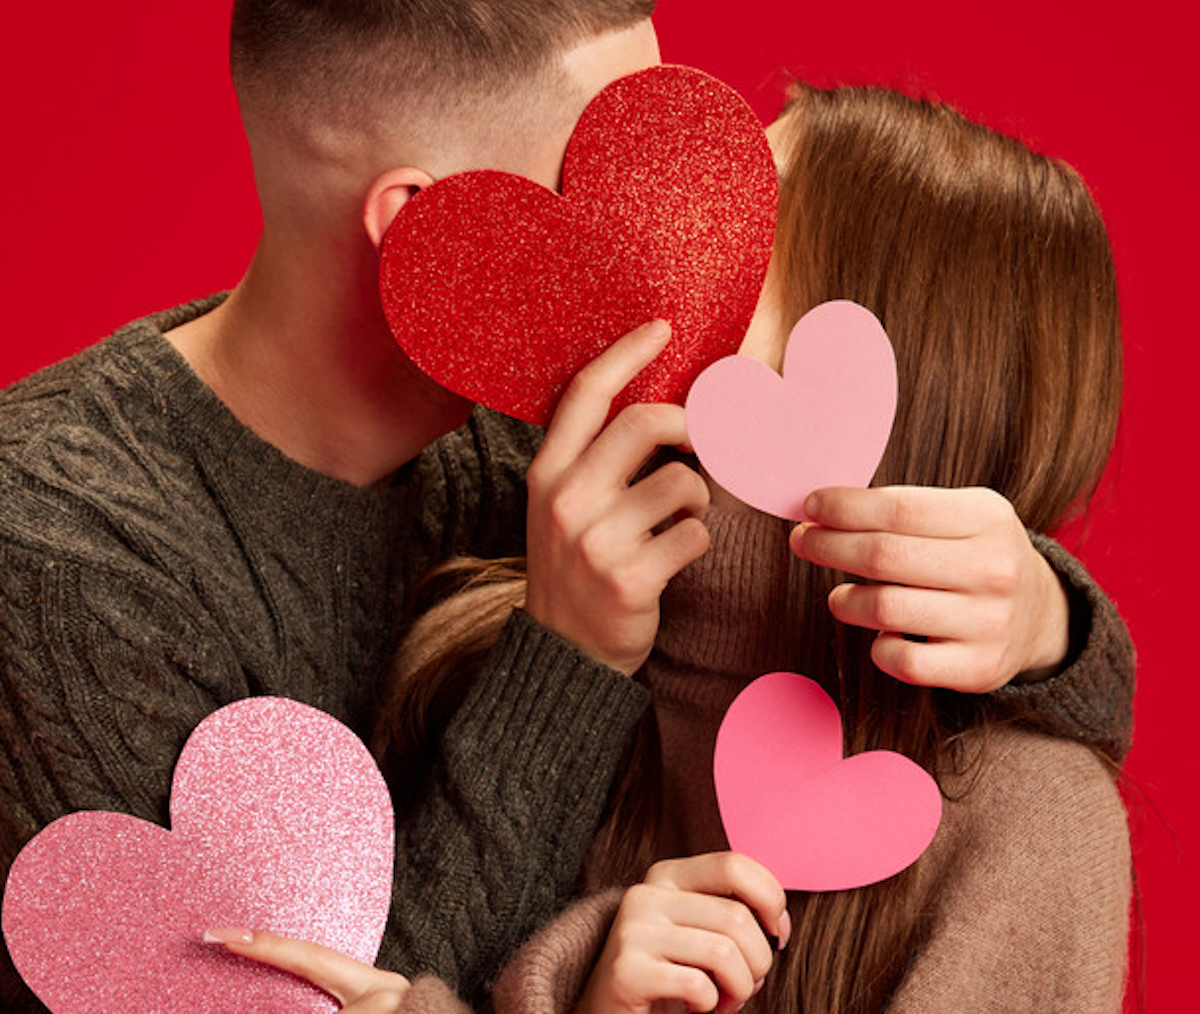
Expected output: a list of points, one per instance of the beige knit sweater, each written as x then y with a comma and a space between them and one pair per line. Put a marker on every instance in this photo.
1027, 882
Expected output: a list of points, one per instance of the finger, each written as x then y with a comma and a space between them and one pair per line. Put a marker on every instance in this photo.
694, 987
340, 976
672, 491
378, 1002
715, 953
940, 615
584, 407
731, 919
931, 512
618, 453
954, 665
729, 875
659, 910
643, 977
883, 556
672, 550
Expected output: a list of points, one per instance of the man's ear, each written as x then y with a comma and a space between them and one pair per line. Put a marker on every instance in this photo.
387, 195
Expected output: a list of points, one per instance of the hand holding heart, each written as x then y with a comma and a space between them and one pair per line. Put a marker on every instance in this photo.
602, 546
956, 568
694, 932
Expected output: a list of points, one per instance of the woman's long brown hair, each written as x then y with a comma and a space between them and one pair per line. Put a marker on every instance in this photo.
990, 267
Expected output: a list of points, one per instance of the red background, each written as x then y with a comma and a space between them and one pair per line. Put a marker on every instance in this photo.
127, 188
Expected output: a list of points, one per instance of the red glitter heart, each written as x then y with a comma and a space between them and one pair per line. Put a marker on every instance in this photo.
280, 821
500, 289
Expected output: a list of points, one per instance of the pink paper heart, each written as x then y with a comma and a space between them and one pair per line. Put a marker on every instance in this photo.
817, 820
500, 289
280, 821
772, 440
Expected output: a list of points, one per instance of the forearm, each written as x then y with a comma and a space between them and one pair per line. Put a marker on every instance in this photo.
496, 843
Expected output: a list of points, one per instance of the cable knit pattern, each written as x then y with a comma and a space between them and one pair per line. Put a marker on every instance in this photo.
158, 560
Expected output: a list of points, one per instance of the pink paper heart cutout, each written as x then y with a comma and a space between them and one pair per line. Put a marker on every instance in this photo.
280, 821
772, 440
501, 290
817, 820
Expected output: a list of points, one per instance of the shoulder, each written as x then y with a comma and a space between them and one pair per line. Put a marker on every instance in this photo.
1036, 808
91, 438
1053, 783
1025, 892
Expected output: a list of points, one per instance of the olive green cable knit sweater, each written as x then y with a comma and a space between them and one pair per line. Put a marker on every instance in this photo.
158, 560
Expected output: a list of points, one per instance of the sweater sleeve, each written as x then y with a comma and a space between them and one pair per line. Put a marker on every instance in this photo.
548, 975
497, 843
1091, 698
1029, 908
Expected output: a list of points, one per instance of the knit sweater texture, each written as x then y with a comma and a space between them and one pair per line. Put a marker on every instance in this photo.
1025, 889
158, 560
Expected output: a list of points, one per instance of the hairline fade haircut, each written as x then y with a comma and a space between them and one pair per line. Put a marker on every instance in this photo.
343, 59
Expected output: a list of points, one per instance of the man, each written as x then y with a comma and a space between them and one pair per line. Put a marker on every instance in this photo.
241, 508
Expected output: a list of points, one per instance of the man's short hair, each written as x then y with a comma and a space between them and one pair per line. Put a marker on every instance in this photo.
347, 54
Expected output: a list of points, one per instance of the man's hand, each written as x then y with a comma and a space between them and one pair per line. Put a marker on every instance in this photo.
602, 546
955, 570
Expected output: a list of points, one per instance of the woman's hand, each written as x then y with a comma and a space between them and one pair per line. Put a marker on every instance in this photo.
693, 933
601, 546
359, 988
956, 569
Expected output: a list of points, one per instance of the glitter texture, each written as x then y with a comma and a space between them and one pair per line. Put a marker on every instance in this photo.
280, 821
500, 289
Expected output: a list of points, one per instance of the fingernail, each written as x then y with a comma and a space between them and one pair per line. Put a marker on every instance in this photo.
228, 935
658, 330
758, 986
785, 929
812, 504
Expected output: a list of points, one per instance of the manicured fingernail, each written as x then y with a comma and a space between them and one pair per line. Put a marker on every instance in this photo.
758, 987
785, 929
812, 504
228, 935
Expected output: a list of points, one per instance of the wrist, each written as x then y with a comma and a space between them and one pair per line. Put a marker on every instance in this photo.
1051, 645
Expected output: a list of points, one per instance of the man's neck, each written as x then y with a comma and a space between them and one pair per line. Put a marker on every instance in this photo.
317, 374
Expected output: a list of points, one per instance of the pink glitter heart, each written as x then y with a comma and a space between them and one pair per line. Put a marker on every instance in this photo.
817, 820
772, 440
500, 289
280, 821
